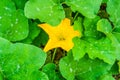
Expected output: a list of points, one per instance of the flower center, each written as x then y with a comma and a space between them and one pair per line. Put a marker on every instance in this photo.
61, 38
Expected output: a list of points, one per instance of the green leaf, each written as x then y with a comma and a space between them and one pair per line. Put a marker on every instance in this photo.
51, 68
44, 10
78, 49
115, 43
1, 76
114, 69
102, 49
84, 69
91, 28
38, 75
48, 69
41, 39
13, 23
88, 8
19, 60
104, 1
18, 27
34, 31
67, 67
20, 3
113, 9
78, 25
117, 36
106, 77
104, 26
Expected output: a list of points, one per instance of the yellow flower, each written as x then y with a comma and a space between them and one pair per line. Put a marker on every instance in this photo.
60, 36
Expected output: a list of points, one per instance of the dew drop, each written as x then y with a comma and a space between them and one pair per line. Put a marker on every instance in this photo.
16, 31
9, 15
90, 48
23, 32
18, 67
16, 22
2, 63
66, 64
90, 69
71, 69
0, 51
102, 52
77, 6
6, 8
11, 25
16, 19
85, 7
0, 17
38, 9
49, 14
79, 47
51, 7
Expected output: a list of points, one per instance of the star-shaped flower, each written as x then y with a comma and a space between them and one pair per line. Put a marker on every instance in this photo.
60, 36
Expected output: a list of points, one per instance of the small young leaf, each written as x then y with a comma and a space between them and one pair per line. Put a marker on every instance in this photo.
106, 77
104, 26
51, 68
38, 75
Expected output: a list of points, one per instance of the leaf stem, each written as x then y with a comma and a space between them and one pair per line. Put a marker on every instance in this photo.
53, 57
75, 17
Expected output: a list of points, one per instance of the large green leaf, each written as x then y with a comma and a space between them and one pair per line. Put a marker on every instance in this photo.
44, 10
88, 8
113, 8
84, 69
104, 26
19, 60
13, 23
102, 49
